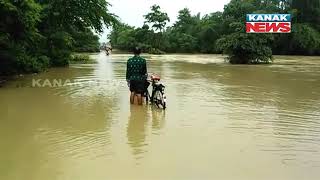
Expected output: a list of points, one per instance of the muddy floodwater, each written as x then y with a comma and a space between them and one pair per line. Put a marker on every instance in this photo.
224, 122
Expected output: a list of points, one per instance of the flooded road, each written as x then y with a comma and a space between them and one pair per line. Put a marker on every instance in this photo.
222, 122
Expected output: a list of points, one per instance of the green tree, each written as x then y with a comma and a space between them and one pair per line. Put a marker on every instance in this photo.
37, 33
143, 37
122, 37
67, 14
308, 11
210, 30
219, 32
19, 38
60, 18
305, 39
243, 48
157, 18
182, 37
85, 41
185, 21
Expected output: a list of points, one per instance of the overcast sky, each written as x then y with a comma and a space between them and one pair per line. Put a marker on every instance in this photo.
132, 11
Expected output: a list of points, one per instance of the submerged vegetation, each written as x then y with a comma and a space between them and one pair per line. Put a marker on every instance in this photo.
224, 32
81, 58
37, 34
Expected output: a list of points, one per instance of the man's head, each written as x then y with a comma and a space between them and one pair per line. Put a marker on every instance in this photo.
136, 51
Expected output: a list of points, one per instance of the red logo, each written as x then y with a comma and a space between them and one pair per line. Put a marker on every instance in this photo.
268, 23
268, 27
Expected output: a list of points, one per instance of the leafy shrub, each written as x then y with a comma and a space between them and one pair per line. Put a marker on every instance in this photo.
243, 48
27, 63
80, 58
156, 51
306, 40
60, 48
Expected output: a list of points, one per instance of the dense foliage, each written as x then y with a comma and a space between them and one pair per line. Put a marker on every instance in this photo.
85, 41
224, 32
36, 34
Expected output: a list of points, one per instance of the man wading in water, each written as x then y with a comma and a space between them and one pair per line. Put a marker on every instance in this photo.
136, 75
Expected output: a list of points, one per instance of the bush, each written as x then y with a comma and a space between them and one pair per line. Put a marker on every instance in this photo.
306, 40
60, 48
81, 58
85, 41
26, 63
155, 51
44, 61
243, 48
60, 57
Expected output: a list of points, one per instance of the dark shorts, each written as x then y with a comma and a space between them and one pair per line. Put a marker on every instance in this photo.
137, 86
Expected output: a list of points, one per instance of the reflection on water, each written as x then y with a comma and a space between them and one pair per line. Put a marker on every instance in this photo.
222, 122
158, 120
136, 131
138, 127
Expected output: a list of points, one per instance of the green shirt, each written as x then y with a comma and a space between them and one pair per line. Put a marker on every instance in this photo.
136, 69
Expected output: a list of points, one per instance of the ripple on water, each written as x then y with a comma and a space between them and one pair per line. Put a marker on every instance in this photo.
215, 111
64, 144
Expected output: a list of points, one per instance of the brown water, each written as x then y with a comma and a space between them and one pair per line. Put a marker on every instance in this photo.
223, 122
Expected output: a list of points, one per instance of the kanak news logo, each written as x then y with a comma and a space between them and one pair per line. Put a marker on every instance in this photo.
268, 23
